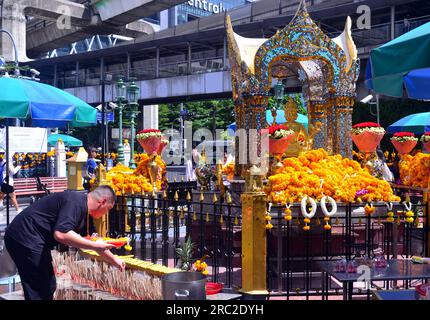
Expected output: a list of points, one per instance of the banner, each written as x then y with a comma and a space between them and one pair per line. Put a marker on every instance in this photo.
22, 139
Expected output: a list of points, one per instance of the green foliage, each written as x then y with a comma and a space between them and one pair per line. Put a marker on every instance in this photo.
10, 67
297, 98
203, 110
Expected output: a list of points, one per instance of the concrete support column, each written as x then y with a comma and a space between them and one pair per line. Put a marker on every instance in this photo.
13, 20
189, 59
150, 117
128, 65
157, 63
224, 56
56, 75
393, 25
77, 74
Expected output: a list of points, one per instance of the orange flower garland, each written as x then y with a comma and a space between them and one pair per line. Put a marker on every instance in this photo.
128, 181
228, 170
315, 173
415, 170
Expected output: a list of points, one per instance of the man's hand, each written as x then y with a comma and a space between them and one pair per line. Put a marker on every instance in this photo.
101, 246
120, 264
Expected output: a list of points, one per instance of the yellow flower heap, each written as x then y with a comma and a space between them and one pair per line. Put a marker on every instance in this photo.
142, 169
315, 173
415, 170
129, 181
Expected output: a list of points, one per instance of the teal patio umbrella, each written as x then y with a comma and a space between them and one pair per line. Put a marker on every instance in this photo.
45, 105
402, 62
67, 140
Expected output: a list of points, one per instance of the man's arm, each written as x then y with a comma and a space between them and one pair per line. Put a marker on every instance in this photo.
73, 239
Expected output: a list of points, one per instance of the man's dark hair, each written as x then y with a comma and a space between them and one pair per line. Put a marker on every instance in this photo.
93, 150
104, 191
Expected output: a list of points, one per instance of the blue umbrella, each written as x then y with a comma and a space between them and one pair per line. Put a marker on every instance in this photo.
418, 123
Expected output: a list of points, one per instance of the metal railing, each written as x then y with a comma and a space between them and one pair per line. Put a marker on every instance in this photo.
159, 224
166, 70
293, 253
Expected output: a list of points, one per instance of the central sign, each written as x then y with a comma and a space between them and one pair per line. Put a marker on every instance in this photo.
207, 6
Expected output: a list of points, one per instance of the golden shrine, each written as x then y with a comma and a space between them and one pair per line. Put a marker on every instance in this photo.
327, 69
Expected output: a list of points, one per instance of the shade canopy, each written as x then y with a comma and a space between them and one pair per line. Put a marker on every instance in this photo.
45, 105
401, 62
67, 140
418, 123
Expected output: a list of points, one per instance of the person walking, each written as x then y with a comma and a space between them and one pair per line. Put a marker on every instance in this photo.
7, 183
55, 219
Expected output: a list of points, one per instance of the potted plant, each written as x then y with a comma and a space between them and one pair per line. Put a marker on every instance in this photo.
280, 137
425, 139
404, 142
367, 136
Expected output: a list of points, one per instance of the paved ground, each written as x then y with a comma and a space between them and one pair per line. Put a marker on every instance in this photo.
12, 213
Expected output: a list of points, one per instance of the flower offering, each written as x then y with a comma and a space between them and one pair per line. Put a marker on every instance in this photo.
367, 136
415, 170
404, 142
425, 139
280, 137
315, 174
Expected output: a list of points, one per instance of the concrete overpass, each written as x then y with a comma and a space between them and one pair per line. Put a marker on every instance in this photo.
100, 17
209, 85
190, 61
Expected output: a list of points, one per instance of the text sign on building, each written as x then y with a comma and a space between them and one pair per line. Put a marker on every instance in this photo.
207, 6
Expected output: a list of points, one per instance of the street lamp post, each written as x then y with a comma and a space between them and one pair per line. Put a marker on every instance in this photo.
17, 72
133, 96
121, 91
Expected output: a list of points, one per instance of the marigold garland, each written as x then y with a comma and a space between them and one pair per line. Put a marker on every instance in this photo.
415, 170
128, 181
315, 174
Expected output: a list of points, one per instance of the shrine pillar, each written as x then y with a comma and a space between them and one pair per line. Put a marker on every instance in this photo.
318, 114
343, 121
252, 119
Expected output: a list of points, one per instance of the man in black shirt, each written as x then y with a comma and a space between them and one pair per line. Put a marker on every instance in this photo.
55, 219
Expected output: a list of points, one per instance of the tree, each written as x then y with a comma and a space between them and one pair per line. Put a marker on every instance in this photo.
298, 98
203, 114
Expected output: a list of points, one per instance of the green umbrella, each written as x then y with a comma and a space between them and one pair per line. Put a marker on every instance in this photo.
390, 63
45, 105
68, 140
